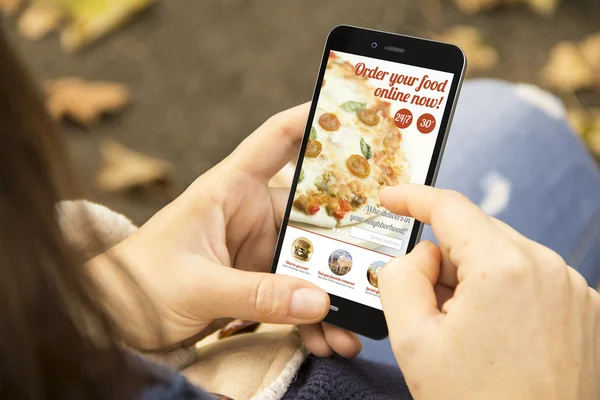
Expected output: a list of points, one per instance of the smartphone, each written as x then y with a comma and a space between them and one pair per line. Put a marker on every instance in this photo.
380, 115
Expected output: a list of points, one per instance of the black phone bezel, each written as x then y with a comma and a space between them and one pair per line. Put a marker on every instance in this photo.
356, 317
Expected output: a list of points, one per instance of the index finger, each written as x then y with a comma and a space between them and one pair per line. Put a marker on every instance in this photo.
461, 228
273, 144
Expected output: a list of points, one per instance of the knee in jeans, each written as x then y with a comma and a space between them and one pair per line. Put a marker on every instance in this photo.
541, 99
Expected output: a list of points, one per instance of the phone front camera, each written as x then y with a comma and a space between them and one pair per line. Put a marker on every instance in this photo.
374, 45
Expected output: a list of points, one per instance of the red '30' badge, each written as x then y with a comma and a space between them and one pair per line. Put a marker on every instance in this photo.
426, 123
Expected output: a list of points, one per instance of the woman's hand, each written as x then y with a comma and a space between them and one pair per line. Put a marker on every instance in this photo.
488, 314
208, 254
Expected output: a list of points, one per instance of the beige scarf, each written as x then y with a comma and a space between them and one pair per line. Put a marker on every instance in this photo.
259, 365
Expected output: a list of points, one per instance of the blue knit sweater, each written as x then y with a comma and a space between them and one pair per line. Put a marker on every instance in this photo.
317, 379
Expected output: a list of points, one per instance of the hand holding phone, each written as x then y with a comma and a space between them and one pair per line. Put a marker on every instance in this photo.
379, 117
524, 325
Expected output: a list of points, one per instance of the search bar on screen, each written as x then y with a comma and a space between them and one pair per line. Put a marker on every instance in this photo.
377, 238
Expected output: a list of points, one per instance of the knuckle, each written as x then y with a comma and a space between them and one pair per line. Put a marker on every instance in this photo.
278, 123
261, 300
428, 246
446, 205
594, 299
275, 119
578, 283
514, 265
548, 258
442, 210
455, 196
393, 273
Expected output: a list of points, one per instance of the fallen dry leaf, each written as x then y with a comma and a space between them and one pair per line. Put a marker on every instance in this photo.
586, 123
590, 49
544, 7
480, 57
9, 6
579, 120
593, 142
85, 102
125, 169
567, 69
592, 136
39, 19
92, 19
475, 6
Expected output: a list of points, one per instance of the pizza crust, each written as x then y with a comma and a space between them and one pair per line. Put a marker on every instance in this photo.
361, 213
319, 219
326, 221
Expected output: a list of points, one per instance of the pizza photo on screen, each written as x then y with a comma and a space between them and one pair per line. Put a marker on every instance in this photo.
376, 124
354, 151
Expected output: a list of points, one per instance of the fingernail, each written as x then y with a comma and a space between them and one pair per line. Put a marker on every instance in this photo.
307, 303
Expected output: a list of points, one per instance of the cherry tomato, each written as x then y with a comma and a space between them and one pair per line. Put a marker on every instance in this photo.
329, 122
313, 148
339, 214
345, 205
368, 117
358, 165
313, 209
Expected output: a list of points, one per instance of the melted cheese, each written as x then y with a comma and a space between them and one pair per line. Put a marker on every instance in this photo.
344, 142
313, 169
339, 145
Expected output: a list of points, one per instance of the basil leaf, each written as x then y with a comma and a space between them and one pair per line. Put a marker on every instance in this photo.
313, 133
353, 106
301, 176
365, 148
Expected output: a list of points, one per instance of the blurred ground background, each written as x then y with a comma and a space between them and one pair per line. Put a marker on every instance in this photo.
204, 74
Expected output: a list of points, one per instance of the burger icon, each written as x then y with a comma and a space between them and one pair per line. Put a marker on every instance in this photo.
302, 249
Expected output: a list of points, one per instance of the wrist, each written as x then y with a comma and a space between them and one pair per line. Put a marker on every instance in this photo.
124, 300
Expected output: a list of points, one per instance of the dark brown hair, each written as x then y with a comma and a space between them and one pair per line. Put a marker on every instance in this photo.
46, 350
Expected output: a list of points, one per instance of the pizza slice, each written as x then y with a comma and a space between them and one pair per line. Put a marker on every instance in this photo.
354, 151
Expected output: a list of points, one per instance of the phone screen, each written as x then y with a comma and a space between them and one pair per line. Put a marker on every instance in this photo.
376, 124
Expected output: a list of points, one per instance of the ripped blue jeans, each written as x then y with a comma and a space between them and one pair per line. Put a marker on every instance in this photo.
512, 152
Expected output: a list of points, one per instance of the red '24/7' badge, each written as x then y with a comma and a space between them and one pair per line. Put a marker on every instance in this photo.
426, 123
403, 118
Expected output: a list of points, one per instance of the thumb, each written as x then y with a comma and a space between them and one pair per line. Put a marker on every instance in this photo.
264, 297
406, 287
